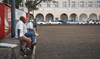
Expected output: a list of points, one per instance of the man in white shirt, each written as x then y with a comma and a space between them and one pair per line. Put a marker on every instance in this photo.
19, 32
29, 34
30, 27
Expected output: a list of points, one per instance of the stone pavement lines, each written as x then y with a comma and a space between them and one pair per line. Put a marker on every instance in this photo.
53, 49
85, 46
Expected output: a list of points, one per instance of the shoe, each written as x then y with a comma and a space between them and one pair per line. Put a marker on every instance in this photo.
28, 48
34, 44
36, 34
23, 48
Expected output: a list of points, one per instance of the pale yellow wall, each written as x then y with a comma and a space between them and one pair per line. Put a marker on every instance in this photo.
58, 13
60, 10
68, 12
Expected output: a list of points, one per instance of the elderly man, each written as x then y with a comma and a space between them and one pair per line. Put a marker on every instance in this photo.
19, 33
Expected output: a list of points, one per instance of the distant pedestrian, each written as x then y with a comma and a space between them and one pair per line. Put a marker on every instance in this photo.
35, 23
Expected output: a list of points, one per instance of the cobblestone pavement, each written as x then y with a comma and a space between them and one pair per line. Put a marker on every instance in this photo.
68, 42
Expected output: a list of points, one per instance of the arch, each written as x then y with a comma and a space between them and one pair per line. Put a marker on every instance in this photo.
83, 17
49, 16
40, 16
93, 16
64, 17
73, 16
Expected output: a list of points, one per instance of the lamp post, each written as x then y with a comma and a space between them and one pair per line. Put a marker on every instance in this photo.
12, 18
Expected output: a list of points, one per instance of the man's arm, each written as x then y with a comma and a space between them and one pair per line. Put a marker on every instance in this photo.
18, 33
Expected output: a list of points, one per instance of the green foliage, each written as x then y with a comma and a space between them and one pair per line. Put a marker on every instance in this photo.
4, 1
17, 2
31, 5
17, 6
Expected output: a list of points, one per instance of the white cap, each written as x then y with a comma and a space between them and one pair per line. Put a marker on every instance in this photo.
31, 20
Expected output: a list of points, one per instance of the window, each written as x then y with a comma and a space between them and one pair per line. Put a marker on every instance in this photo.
52, 20
56, 4
73, 4
47, 4
39, 5
97, 4
21, 5
65, 4
82, 4
90, 4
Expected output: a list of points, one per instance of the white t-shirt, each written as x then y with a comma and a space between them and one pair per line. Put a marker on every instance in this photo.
19, 25
30, 25
24, 29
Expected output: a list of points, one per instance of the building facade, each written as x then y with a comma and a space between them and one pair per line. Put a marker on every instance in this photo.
79, 10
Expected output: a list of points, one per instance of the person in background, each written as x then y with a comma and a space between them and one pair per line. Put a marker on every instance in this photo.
19, 33
35, 23
31, 28
30, 34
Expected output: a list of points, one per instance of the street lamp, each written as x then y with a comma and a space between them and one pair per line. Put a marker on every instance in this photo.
12, 18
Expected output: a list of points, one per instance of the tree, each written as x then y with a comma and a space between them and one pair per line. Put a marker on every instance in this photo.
17, 2
31, 5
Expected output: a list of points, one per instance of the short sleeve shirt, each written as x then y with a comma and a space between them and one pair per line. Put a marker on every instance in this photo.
20, 26
24, 29
30, 25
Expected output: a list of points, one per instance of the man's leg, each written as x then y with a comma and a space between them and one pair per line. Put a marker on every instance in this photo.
34, 30
27, 41
30, 34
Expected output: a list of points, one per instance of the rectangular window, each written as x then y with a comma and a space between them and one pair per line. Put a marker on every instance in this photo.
98, 4
56, 4
90, 4
47, 4
39, 5
73, 4
21, 5
65, 4
82, 4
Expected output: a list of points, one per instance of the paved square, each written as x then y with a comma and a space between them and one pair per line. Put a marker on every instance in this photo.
68, 42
